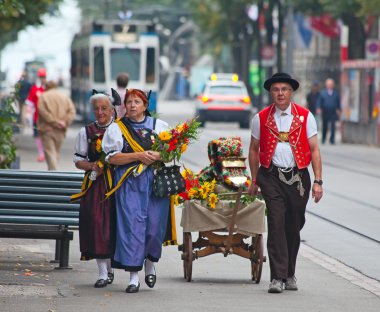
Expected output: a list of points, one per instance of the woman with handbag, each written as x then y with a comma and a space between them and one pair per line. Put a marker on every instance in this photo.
96, 215
141, 221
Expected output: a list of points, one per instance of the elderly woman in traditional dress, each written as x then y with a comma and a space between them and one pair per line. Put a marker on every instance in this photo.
96, 215
141, 216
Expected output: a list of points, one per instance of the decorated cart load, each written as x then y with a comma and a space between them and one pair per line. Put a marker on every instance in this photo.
227, 164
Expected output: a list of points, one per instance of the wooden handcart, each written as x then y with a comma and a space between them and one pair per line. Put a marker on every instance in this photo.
211, 242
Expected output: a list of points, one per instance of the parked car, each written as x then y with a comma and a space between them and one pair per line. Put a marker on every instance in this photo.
225, 98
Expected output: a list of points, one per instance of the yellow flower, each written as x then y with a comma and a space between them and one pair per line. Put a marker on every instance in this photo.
179, 128
187, 173
183, 148
193, 192
207, 187
165, 136
176, 202
212, 200
203, 192
98, 145
213, 183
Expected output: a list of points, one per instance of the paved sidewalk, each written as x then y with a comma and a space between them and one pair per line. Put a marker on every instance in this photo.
29, 282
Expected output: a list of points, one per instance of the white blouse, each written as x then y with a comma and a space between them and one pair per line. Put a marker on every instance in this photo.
113, 141
81, 146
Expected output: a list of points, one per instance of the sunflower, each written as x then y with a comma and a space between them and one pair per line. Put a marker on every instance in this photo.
203, 192
176, 200
183, 148
193, 192
187, 173
212, 200
165, 136
98, 146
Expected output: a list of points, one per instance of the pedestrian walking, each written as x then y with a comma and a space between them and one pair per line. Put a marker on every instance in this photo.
122, 80
56, 113
23, 87
35, 92
329, 106
312, 98
96, 215
142, 217
283, 144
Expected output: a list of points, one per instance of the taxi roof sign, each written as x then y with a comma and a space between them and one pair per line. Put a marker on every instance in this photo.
224, 76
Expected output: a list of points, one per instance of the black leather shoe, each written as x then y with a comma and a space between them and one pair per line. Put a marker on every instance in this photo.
132, 288
100, 283
110, 278
150, 280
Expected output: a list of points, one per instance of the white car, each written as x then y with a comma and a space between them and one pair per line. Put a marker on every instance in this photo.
225, 99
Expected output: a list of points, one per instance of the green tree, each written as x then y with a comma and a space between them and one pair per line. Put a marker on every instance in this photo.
15, 15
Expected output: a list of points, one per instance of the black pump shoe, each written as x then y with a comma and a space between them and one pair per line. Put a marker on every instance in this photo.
132, 288
150, 280
110, 277
100, 283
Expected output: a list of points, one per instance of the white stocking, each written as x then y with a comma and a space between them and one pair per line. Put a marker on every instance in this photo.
149, 267
102, 266
134, 278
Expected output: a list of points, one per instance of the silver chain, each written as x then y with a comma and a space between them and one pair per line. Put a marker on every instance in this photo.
295, 178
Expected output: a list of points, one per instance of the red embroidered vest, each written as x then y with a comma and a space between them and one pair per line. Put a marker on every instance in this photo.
298, 140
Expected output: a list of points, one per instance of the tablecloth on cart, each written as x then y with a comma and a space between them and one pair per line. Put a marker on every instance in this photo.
250, 218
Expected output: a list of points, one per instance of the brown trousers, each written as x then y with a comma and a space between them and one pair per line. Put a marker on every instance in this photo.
52, 142
285, 216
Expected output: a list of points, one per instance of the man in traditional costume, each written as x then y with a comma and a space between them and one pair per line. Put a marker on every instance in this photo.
284, 142
142, 217
96, 215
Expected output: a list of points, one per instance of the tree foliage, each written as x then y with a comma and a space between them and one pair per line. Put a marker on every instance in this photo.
15, 15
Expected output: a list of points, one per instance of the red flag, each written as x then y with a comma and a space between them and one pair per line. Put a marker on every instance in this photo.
326, 25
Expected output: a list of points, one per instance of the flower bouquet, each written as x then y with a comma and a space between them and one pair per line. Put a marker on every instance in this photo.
172, 143
197, 189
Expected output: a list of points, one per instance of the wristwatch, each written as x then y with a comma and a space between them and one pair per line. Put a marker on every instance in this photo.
320, 182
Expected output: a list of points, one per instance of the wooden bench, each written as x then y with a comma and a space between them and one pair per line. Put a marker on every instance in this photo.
35, 205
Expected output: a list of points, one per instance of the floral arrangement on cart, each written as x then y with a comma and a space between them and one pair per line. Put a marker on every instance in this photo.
222, 178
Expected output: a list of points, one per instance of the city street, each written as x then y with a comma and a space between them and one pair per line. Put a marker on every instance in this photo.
338, 267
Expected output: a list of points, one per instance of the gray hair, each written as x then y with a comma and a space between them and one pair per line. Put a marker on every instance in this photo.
98, 96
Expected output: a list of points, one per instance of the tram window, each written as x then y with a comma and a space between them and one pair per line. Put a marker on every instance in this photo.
99, 72
150, 65
125, 60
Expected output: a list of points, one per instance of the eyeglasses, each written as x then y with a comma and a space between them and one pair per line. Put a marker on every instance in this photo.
282, 90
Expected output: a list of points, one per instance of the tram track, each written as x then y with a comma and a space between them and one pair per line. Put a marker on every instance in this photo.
343, 227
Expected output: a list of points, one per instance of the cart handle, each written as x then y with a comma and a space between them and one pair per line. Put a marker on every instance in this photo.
233, 221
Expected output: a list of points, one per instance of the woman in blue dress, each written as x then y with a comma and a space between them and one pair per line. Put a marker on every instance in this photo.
141, 217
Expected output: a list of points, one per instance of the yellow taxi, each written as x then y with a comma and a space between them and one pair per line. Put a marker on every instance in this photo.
225, 98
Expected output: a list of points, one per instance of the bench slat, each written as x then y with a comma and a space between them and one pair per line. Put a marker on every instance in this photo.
40, 183
39, 213
38, 206
45, 175
39, 220
35, 198
37, 190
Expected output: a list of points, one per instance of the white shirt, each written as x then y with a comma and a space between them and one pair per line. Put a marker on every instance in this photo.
283, 156
113, 141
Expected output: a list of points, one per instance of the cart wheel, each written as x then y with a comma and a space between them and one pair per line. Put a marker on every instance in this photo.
257, 257
188, 256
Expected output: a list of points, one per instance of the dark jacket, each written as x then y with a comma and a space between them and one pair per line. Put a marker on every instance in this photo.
329, 104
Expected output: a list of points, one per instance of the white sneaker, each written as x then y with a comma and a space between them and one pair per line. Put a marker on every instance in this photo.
276, 286
291, 283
